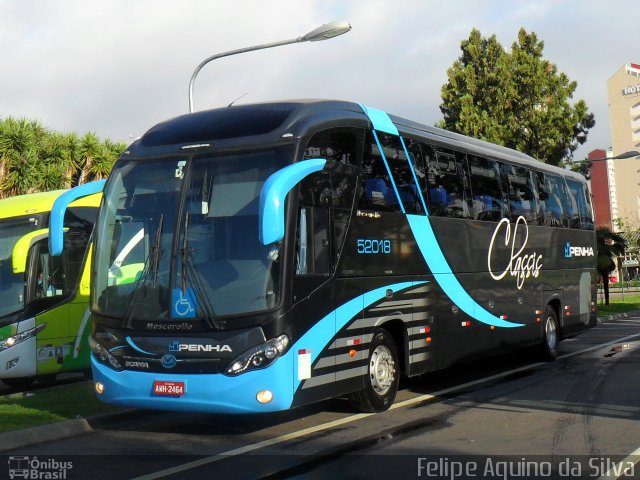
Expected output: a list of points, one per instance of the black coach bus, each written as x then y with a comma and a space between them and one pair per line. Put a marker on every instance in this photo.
261, 257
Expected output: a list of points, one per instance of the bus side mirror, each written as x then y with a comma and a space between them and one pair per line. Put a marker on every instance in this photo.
22, 248
273, 194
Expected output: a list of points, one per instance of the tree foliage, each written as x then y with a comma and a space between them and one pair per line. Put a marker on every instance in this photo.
514, 98
33, 158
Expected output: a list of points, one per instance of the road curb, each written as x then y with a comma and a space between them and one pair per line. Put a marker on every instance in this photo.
63, 429
619, 316
44, 433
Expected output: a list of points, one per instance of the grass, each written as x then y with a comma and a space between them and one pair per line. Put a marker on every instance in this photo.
618, 305
50, 405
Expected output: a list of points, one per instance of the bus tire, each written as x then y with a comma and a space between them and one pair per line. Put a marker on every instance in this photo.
550, 334
383, 375
19, 383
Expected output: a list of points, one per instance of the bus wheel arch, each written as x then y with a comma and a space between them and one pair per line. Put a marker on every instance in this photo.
383, 375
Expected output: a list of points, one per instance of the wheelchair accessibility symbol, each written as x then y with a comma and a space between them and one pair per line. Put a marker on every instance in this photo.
184, 303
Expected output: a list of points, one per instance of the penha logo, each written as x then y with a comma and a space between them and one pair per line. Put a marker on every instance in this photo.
520, 265
570, 251
174, 346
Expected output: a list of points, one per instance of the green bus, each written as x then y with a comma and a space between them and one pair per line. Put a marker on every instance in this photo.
44, 313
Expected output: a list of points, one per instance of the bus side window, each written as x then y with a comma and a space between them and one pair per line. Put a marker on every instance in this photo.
403, 179
550, 208
377, 191
520, 192
312, 241
488, 202
570, 204
581, 196
447, 182
341, 145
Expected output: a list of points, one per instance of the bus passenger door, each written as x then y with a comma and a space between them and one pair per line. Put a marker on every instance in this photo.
314, 370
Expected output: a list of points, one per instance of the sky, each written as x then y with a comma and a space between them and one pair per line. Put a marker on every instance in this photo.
118, 67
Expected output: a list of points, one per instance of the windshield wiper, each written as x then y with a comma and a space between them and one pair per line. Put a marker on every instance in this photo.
151, 263
156, 253
190, 272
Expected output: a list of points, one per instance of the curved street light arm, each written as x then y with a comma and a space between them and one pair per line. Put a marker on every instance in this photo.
234, 52
323, 32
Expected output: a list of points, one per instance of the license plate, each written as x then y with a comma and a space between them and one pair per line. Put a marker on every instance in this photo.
169, 389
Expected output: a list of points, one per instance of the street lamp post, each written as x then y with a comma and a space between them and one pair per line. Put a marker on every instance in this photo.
622, 156
324, 32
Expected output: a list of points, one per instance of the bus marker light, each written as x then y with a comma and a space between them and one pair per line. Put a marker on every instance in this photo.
493, 327
355, 341
352, 353
429, 339
466, 324
264, 396
538, 312
503, 317
99, 388
304, 364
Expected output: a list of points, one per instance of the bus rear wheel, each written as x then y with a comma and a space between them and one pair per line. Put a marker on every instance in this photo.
383, 376
550, 334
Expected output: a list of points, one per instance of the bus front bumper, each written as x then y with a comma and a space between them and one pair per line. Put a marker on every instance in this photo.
212, 393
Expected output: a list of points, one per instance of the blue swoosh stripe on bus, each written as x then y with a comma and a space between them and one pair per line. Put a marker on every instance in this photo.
432, 253
415, 177
135, 347
321, 334
380, 120
429, 247
384, 160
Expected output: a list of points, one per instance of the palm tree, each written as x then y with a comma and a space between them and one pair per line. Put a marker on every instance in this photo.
18, 156
610, 245
88, 150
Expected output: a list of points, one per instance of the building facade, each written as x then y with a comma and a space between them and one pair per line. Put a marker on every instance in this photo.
623, 92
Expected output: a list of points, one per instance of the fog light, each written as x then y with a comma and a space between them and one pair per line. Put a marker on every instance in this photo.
99, 388
264, 396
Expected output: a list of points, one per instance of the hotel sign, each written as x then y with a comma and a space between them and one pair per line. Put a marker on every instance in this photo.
634, 90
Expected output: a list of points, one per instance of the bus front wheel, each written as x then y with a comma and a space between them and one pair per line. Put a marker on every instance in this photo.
550, 334
381, 382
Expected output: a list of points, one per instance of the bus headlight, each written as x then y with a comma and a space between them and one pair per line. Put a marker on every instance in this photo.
20, 337
259, 357
103, 355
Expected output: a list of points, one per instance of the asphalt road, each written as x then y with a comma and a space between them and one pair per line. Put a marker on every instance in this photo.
504, 417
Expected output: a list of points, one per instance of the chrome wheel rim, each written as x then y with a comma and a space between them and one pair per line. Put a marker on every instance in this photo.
551, 333
382, 370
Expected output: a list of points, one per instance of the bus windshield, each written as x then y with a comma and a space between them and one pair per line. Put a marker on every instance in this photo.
12, 284
178, 238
